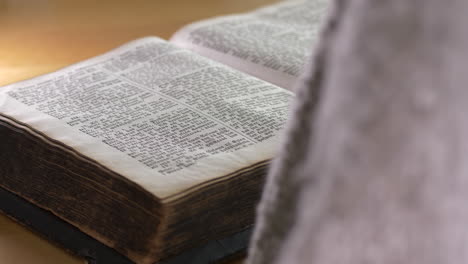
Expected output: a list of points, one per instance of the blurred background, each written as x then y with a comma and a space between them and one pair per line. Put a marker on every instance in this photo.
39, 36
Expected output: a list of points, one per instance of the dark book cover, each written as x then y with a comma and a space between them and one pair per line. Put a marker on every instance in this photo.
82, 245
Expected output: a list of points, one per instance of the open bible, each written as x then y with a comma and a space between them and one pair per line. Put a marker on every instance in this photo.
156, 148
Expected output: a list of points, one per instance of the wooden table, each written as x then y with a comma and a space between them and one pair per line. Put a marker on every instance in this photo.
39, 36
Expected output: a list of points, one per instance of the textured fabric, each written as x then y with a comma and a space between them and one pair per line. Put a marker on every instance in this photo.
374, 165
276, 212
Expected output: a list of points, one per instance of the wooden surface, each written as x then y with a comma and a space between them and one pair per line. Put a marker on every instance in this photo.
39, 36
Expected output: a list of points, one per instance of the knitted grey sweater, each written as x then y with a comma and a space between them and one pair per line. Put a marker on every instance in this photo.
374, 164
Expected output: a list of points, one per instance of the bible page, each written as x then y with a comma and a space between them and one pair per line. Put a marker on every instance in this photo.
271, 43
164, 117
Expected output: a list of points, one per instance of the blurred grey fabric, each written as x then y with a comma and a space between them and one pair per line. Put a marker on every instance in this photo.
374, 164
